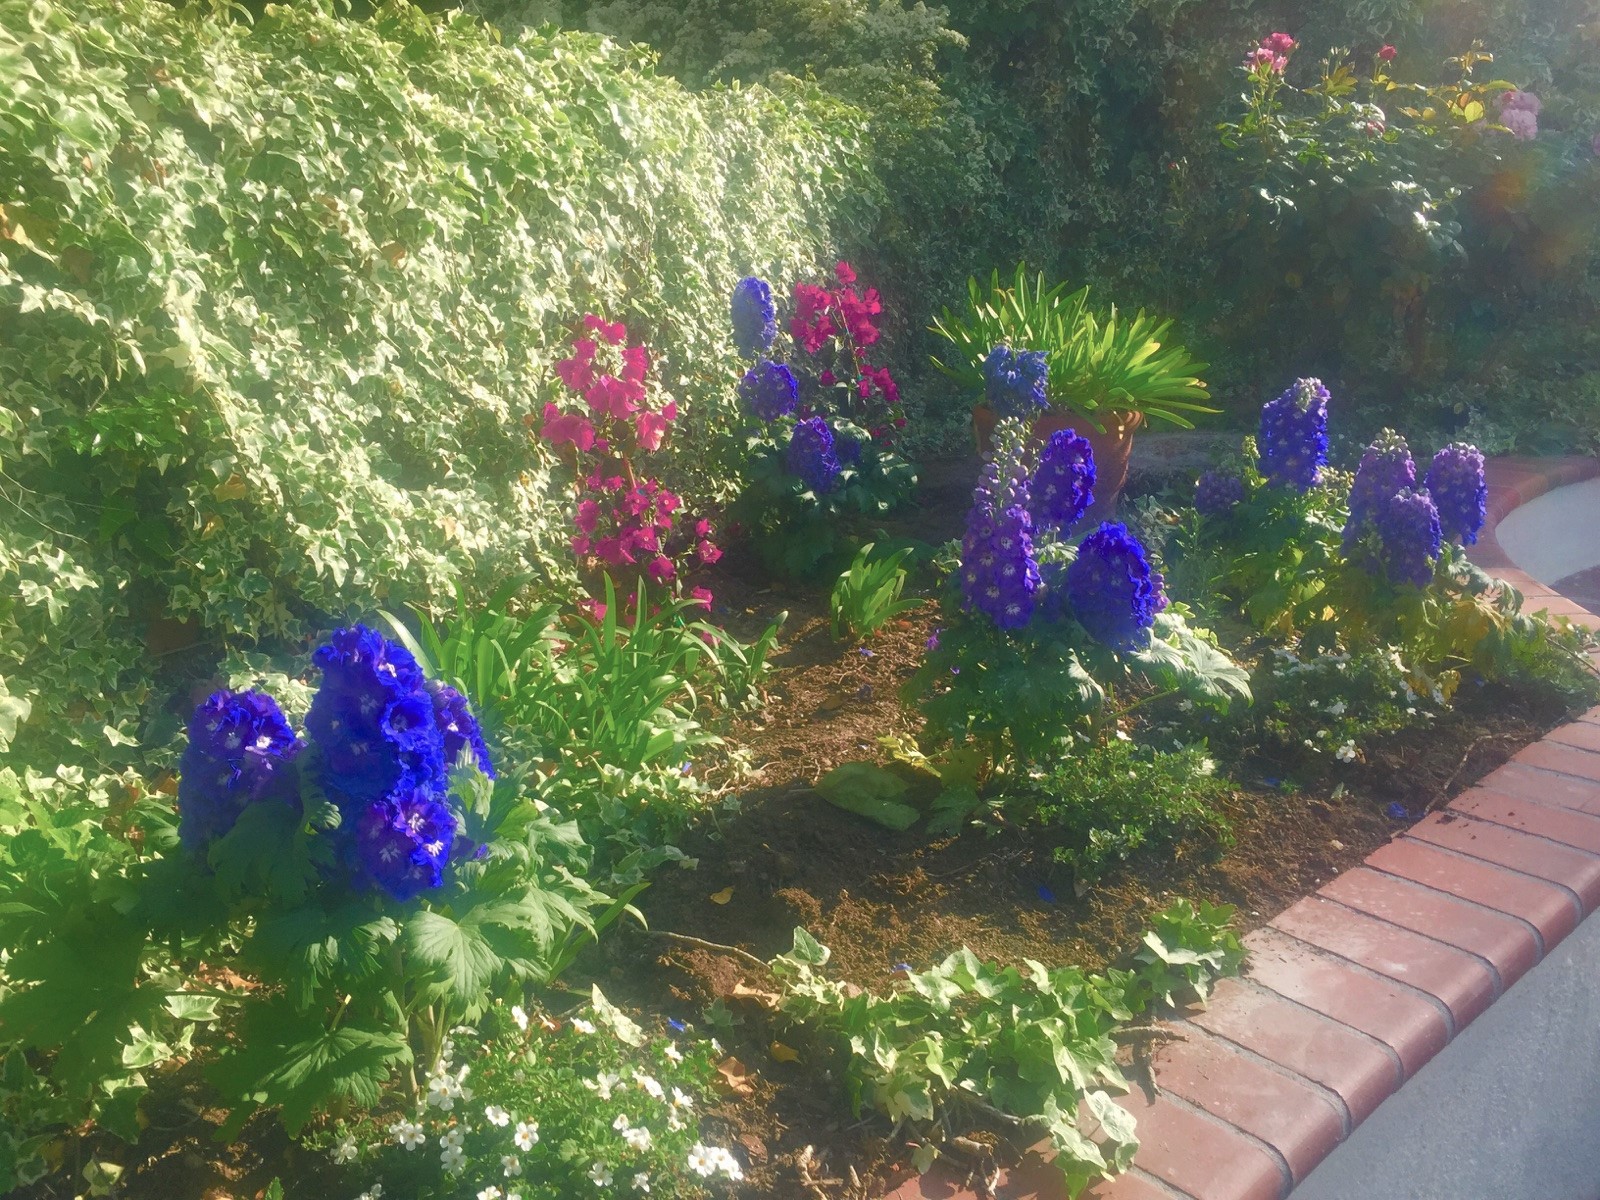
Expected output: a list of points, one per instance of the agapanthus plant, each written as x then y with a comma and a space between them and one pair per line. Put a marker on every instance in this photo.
626, 523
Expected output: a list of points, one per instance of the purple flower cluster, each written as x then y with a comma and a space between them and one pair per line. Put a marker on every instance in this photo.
1016, 382
769, 390
1114, 594
811, 454
1408, 532
241, 751
1063, 483
755, 321
385, 738
1519, 113
1395, 526
1456, 483
999, 574
1293, 439
1217, 493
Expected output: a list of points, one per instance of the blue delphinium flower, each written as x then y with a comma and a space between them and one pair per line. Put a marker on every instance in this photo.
1408, 531
769, 390
372, 719
1385, 469
1063, 482
754, 318
1113, 592
1293, 439
1456, 483
241, 751
811, 455
458, 727
404, 841
999, 573
1218, 493
1016, 382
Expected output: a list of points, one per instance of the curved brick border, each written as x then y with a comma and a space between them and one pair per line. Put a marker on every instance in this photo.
1349, 992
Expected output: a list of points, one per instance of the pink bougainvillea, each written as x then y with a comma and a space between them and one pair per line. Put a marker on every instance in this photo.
838, 324
624, 521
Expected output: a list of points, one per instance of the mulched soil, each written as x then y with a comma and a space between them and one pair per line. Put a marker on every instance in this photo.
878, 898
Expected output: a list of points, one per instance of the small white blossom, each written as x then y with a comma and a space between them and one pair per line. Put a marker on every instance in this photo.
701, 1162
527, 1134
600, 1175
1336, 708
682, 1099
453, 1159
497, 1116
375, 1192
490, 1193
622, 1123
346, 1150
651, 1087
641, 1182
1346, 752
453, 1137
511, 1165
639, 1138
582, 1026
675, 1122
408, 1134
603, 1084
520, 1016
673, 1053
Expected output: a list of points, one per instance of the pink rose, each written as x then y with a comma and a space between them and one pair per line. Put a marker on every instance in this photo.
1388, 53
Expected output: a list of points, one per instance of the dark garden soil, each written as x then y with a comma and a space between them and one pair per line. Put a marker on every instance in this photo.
782, 856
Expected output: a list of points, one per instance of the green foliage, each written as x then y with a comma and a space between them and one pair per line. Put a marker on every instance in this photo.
609, 709
796, 532
867, 596
1033, 1042
1104, 804
534, 1104
1100, 363
113, 934
1018, 695
279, 296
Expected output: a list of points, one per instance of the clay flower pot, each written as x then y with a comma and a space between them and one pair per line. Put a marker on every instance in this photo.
1112, 449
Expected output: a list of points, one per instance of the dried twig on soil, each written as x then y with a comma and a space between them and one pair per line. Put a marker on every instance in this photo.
715, 947
1442, 796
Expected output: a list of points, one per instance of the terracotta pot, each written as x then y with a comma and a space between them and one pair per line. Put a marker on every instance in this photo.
1112, 449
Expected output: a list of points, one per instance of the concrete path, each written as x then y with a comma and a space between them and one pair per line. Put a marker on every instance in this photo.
1557, 534
1510, 1110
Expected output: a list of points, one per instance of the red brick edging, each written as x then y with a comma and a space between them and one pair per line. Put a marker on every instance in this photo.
1350, 991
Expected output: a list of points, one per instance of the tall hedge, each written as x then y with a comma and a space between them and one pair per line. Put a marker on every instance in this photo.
276, 296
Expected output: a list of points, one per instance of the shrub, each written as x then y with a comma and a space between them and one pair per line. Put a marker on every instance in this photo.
867, 596
1104, 804
280, 295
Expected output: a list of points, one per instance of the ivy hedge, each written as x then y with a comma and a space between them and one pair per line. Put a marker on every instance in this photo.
277, 294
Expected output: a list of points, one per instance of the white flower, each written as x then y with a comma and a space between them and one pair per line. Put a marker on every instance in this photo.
582, 1026
453, 1137
520, 1016
603, 1084
701, 1161
1336, 708
727, 1163
673, 1053
1346, 752
641, 1182
408, 1134
675, 1122
621, 1123
497, 1116
680, 1098
346, 1150
650, 1085
490, 1193
600, 1175
372, 1193
511, 1165
453, 1159
527, 1134
639, 1139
